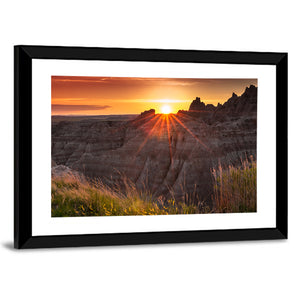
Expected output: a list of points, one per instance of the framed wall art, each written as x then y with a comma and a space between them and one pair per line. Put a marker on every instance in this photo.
121, 146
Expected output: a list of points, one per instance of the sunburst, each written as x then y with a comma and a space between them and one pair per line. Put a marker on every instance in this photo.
166, 109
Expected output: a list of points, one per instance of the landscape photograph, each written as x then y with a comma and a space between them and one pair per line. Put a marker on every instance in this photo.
124, 146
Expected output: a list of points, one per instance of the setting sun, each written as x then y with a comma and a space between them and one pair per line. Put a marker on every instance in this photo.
166, 109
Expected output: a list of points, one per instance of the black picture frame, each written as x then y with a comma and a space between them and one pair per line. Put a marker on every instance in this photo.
23, 56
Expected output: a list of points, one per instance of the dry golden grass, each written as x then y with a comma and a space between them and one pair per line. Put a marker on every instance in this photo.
72, 197
234, 191
235, 188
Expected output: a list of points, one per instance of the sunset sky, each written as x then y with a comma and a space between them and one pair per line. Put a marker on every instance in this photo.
75, 95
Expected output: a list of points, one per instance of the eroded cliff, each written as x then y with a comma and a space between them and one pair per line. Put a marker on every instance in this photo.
165, 154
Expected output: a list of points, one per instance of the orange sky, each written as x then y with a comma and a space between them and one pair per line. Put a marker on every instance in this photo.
76, 95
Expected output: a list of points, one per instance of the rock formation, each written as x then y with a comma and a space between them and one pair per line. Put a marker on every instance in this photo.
244, 104
63, 171
149, 112
235, 106
164, 155
197, 105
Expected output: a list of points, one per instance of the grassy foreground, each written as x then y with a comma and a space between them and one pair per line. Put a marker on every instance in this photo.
235, 188
234, 191
72, 197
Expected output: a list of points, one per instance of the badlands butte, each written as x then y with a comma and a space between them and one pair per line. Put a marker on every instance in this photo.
164, 154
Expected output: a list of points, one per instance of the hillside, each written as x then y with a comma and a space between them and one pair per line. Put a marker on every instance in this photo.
165, 154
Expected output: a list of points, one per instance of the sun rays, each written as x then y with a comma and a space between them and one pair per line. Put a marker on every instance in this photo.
165, 125
159, 119
190, 132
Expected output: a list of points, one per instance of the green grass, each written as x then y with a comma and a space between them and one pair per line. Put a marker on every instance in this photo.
235, 188
72, 197
234, 191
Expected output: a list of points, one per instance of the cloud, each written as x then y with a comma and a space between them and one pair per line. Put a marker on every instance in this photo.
68, 99
158, 101
76, 108
85, 79
130, 81
142, 81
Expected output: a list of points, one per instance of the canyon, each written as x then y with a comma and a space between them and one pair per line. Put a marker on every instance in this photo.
167, 155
